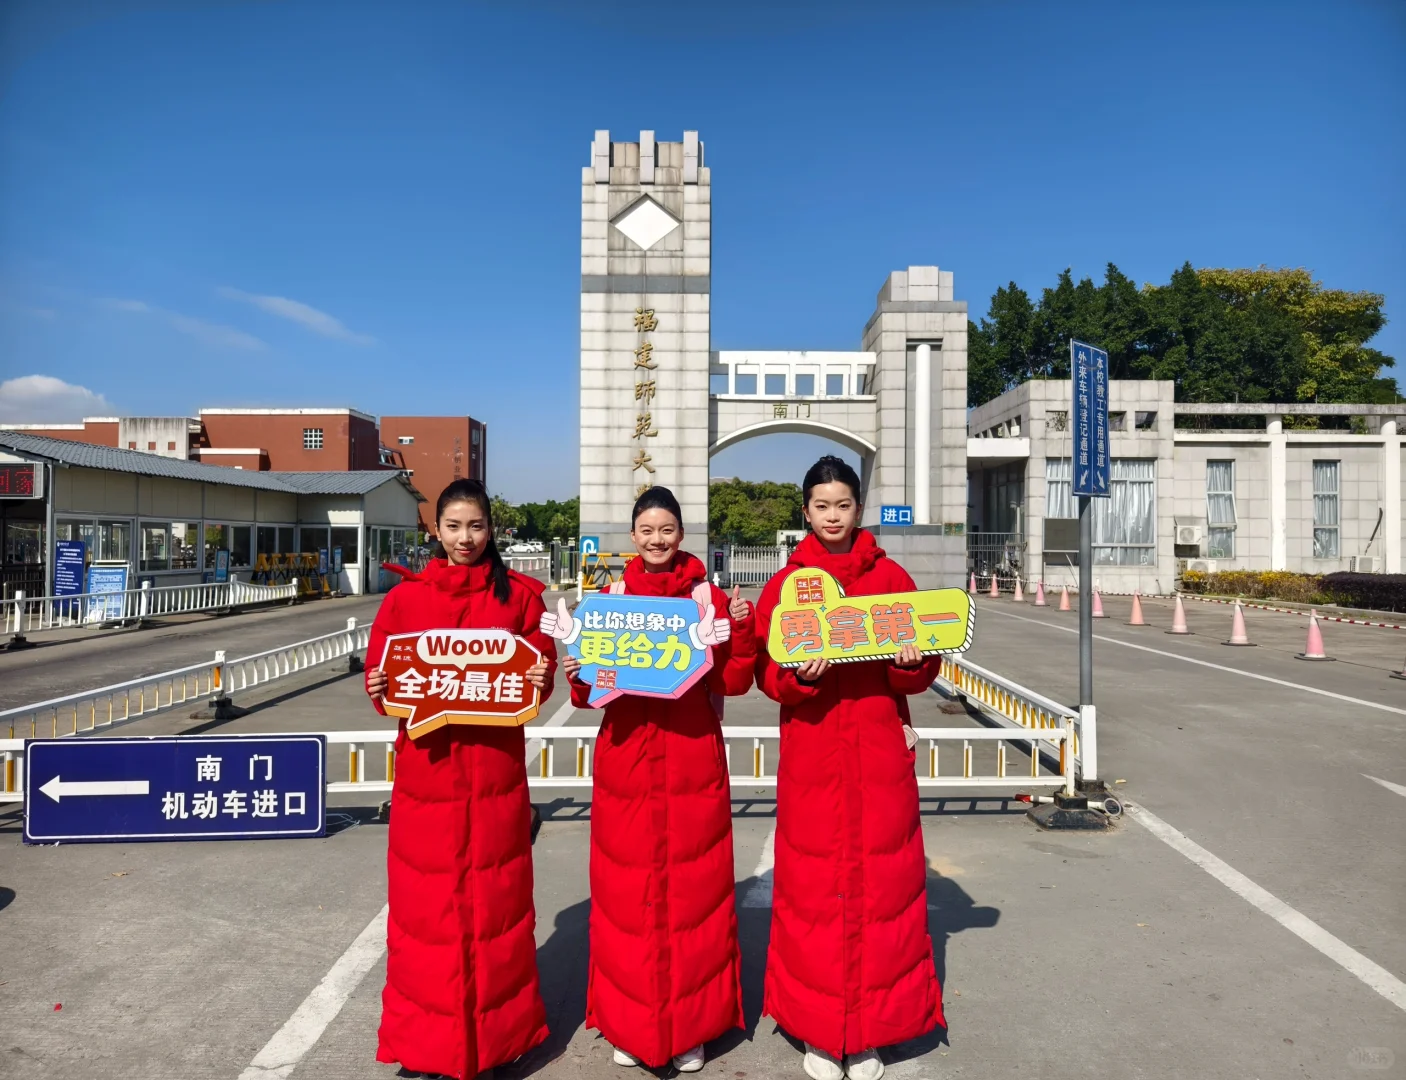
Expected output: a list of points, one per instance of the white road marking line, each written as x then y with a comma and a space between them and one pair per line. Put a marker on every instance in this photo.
1398, 788
557, 719
1374, 975
281, 1054
1207, 663
759, 895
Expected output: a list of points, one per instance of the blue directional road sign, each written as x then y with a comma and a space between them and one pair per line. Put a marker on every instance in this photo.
589, 545
1089, 369
196, 787
895, 515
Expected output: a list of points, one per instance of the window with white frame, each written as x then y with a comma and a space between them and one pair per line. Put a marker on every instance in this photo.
312, 438
1220, 509
406, 440
1125, 523
1325, 509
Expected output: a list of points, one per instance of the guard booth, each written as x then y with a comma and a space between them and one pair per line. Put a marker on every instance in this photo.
24, 525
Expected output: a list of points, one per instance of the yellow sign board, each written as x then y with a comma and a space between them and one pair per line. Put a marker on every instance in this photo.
814, 620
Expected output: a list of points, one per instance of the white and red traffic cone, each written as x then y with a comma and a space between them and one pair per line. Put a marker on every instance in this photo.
1098, 605
971, 585
1179, 619
1040, 594
1314, 649
1238, 636
1019, 596
995, 591
1137, 619
1064, 598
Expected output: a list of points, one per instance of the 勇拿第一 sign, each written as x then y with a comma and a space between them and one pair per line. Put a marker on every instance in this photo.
647, 646
439, 677
814, 620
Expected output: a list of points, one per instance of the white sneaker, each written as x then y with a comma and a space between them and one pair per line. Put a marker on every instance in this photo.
624, 1057
864, 1066
689, 1060
821, 1066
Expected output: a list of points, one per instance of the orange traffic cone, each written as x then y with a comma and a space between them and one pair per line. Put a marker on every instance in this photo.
1064, 598
1019, 596
1314, 649
971, 585
995, 592
1179, 619
1098, 605
1137, 619
1238, 636
1040, 596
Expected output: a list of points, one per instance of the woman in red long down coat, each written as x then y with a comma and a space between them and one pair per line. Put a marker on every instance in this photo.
850, 966
665, 970
461, 990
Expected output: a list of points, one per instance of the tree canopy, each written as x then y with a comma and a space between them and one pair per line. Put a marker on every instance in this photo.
540, 521
1218, 334
748, 512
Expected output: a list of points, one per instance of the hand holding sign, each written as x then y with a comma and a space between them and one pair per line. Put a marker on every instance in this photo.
441, 677
710, 630
649, 646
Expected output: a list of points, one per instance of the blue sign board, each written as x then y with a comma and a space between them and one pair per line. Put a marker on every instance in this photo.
112, 580
69, 557
222, 565
336, 560
194, 787
589, 545
1090, 463
896, 515
649, 646
322, 561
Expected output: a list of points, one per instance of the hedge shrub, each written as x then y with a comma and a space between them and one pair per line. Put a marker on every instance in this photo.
1379, 592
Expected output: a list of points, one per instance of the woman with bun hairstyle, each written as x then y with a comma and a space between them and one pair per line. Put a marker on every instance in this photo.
461, 992
665, 970
850, 966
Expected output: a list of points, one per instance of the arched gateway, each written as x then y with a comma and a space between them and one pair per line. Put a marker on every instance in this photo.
657, 402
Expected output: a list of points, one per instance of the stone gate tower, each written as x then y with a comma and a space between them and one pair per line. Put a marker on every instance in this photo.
646, 255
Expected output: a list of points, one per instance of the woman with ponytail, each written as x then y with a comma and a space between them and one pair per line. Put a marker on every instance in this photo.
850, 966
665, 971
461, 991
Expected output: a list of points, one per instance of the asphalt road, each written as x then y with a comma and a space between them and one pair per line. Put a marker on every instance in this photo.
1062, 955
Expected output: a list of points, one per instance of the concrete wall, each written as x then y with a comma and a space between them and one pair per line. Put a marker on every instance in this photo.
165, 436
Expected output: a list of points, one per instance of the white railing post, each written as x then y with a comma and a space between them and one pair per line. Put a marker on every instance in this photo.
1068, 756
354, 662
144, 602
19, 641
1088, 744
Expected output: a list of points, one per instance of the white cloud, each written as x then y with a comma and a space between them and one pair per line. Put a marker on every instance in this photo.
319, 322
43, 399
217, 334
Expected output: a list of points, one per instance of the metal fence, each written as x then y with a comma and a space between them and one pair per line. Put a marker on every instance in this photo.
34, 614
120, 703
752, 565
1002, 554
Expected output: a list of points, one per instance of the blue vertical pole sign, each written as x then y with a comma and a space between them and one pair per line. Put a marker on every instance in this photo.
1089, 476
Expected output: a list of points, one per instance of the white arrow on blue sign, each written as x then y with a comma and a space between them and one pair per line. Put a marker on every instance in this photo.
1091, 463
196, 787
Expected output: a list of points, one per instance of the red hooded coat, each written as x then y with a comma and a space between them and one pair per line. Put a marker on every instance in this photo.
850, 964
665, 970
461, 990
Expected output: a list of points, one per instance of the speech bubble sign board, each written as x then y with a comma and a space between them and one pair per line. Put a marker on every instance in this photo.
638, 645
814, 620
475, 677
191, 787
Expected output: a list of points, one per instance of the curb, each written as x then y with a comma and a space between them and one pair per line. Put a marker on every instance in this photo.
1299, 611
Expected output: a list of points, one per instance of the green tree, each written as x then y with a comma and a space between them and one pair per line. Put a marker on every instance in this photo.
544, 520
751, 512
506, 516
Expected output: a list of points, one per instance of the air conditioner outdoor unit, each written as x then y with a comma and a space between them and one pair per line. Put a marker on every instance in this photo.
1363, 564
1205, 566
1188, 534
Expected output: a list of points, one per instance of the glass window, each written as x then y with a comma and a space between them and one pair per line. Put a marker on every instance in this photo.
1325, 509
345, 537
1220, 509
717, 382
24, 544
171, 444
1146, 421
240, 549
114, 541
406, 440
862, 380
312, 438
216, 537
745, 384
835, 384
185, 545
474, 436
805, 385
266, 540
1117, 421
156, 546
776, 384
1125, 523
312, 538
74, 529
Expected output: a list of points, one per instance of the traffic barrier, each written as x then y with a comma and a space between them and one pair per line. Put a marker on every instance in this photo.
577, 771
1136, 619
527, 564
35, 614
1238, 636
1064, 598
1019, 596
597, 574
1040, 594
1098, 605
1313, 650
1179, 619
121, 703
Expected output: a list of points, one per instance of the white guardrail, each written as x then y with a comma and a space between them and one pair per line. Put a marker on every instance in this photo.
32, 614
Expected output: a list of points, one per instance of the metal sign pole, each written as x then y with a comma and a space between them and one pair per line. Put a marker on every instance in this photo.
1086, 603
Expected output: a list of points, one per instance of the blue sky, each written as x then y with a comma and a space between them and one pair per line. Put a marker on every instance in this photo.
376, 205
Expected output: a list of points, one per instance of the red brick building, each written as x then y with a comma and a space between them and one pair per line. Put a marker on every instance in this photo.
291, 440
437, 450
